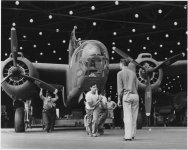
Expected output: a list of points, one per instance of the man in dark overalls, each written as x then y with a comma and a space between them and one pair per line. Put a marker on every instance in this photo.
49, 109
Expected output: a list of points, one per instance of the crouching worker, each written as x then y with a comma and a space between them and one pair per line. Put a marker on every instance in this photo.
103, 113
92, 110
49, 109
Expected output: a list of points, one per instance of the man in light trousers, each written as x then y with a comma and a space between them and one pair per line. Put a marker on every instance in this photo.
127, 82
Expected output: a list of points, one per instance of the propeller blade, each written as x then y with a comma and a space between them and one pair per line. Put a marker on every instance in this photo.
148, 97
170, 61
124, 55
4, 79
14, 46
40, 83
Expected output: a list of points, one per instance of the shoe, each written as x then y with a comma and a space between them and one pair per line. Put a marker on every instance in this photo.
127, 139
101, 132
95, 135
90, 135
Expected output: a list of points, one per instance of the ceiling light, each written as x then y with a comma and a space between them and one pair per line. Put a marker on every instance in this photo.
171, 51
13, 24
59, 58
166, 58
144, 47
130, 41
34, 46
64, 41
178, 76
136, 15
113, 52
185, 6
9, 38
21, 48
148, 38
155, 53
186, 32
50, 16
24, 36
113, 47
54, 51
70, 12
161, 45
57, 30
31, 20
112, 58
133, 30
114, 33
6, 54
166, 35
49, 44
92, 7
160, 11
175, 23
154, 26
116, 3
17, 2
40, 33
128, 50
178, 43
36, 61
94, 23
79, 39
41, 53
113, 43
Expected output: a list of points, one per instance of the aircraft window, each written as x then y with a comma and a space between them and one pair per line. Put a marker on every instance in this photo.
146, 56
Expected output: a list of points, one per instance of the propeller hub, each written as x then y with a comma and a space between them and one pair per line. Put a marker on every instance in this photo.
16, 71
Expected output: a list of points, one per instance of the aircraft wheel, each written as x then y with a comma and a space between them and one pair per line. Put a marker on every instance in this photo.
139, 120
19, 120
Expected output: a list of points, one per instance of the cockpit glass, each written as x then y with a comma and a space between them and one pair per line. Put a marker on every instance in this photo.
96, 63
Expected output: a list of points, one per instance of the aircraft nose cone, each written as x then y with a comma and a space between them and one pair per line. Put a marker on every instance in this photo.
91, 49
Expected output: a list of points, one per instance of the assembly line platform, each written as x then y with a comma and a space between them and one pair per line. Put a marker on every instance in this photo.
76, 138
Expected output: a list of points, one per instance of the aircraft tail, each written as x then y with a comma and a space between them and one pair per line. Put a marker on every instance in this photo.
72, 43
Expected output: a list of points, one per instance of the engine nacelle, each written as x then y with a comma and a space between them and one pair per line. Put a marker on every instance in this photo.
146, 60
18, 87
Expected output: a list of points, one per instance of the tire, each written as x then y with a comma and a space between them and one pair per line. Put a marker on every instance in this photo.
19, 124
139, 120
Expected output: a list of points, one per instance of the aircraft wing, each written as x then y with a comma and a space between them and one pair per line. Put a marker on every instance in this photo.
179, 67
54, 74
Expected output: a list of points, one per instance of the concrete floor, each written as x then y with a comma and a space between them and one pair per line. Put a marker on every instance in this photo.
64, 138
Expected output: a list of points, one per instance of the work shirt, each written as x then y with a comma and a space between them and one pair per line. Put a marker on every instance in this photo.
90, 97
111, 105
48, 103
126, 79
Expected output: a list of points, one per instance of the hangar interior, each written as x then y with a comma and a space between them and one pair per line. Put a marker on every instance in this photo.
44, 28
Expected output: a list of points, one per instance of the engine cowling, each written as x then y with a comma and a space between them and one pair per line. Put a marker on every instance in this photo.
18, 87
147, 61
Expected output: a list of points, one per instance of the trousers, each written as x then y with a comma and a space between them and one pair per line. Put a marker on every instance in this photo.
49, 117
103, 114
130, 114
92, 120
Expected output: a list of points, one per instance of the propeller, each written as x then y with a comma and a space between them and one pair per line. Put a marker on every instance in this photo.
169, 61
124, 55
148, 96
15, 72
14, 46
148, 72
40, 83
